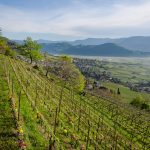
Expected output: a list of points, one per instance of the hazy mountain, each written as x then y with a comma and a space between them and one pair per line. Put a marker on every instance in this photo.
92, 41
18, 41
137, 43
56, 48
46, 41
107, 49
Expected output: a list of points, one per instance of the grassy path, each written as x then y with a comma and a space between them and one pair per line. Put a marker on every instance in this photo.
7, 123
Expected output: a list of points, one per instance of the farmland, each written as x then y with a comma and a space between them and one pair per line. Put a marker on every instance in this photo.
126, 69
46, 115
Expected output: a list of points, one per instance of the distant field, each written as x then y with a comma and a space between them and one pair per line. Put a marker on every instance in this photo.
127, 95
132, 69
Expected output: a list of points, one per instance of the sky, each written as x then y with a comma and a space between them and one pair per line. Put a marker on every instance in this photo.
74, 19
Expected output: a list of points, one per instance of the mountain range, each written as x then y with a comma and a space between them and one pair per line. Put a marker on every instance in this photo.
135, 43
107, 49
131, 46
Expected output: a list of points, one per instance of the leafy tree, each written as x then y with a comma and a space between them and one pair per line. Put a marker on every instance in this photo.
31, 49
47, 64
71, 74
64, 68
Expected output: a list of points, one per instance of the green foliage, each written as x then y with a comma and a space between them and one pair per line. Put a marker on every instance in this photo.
77, 80
31, 49
64, 68
140, 102
137, 101
66, 58
71, 74
145, 106
10, 52
5, 48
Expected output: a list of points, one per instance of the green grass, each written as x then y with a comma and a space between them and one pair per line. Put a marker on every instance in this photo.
8, 138
127, 95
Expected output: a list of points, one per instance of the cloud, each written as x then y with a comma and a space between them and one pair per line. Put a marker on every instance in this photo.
80, 19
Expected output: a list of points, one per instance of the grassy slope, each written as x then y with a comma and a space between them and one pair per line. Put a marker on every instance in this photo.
37, 130
7, 123
127, 95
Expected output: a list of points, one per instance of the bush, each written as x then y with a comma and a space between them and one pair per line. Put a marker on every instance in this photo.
145, 106
139, 102
136, 102
9, 52
5, 49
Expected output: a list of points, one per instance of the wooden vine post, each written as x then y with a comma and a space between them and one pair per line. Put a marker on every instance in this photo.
79, 114
12, 88
50, 143
79, 120
97, 130
19, 104
88, 135
36, 96
61, 97
55, 121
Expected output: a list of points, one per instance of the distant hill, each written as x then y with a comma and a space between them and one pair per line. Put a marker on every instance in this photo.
107, 49
18, 41
56, 48
46, 41
92, 41
136, 43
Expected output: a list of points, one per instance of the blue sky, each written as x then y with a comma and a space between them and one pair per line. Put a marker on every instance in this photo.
74, 19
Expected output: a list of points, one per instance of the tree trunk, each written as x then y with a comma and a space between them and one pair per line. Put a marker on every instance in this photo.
31, 59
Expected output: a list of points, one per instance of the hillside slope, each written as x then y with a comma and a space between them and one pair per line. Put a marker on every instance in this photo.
7, 121
50, 116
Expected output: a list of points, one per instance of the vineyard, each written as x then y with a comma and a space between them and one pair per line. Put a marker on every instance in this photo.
41, 114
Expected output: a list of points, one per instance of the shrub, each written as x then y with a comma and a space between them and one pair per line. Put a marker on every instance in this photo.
9, 52
145, 106
5, 49
139, 102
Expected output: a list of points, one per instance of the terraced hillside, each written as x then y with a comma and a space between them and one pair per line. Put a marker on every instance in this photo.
45, 115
